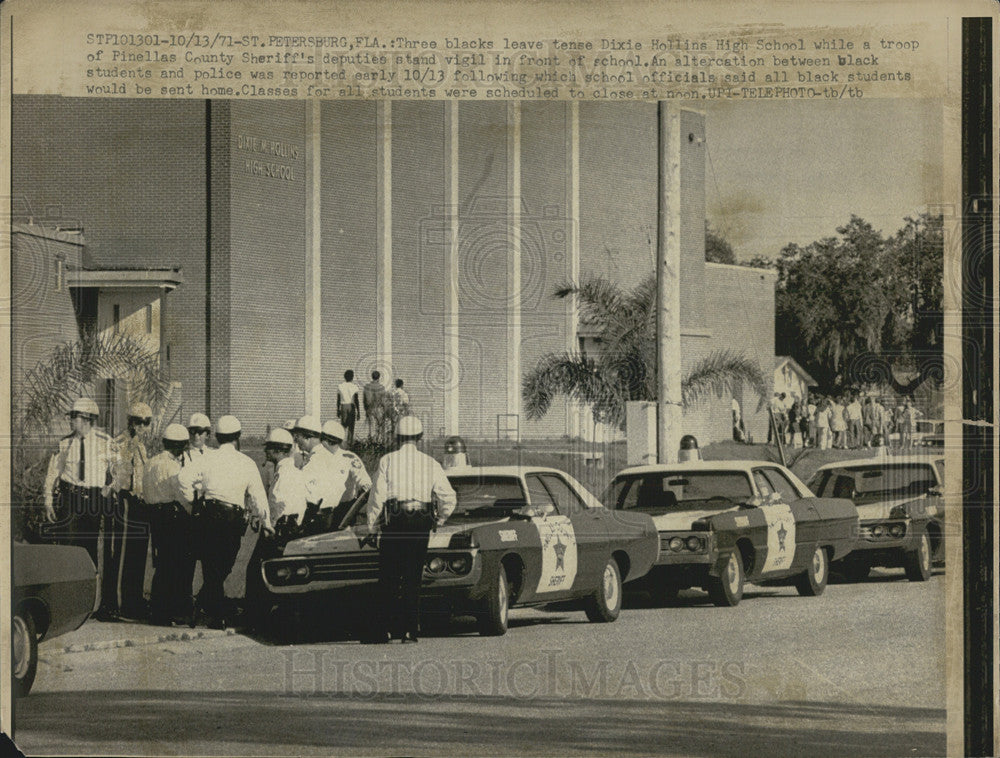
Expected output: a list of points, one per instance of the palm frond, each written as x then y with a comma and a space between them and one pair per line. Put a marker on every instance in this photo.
51, 386
573, 375
723, 372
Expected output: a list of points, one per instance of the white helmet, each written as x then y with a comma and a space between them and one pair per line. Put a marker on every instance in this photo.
279, 436
140, 410
228, 425
409, 426
334, 430
87, 406
175, 433
199, 421
309, 424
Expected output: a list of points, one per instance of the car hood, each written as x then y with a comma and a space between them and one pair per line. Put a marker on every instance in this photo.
349, 539
881, 510
681, 521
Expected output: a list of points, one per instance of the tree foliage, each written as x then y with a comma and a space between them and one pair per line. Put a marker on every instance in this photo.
624, 325
860, 307
717, 247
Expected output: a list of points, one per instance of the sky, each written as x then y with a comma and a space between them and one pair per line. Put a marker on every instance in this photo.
793, 171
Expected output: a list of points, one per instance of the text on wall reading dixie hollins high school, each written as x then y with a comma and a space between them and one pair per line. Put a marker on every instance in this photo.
846, 64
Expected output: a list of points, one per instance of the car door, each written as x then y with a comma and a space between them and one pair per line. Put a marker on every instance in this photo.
590, 528
557, 561
784, 548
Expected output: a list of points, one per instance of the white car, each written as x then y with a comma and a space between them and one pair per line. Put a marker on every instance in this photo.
900, 507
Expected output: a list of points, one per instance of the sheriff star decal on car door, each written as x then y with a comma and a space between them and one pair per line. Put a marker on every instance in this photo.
780, 536
558, 553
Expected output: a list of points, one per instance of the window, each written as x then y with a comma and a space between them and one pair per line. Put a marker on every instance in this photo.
567, 501
537, 494
763, 486
477, 495
780, 483
116, 316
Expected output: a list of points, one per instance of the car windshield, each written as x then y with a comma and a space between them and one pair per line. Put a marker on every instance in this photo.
869, 484
660, 492
486, 497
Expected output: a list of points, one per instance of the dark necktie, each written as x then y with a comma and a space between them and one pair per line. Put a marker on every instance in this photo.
83, 462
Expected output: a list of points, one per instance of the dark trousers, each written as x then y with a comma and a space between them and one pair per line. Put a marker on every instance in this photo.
256, 593
172, 553
135, 548
348, 414
402, 552
80, 514
221, 531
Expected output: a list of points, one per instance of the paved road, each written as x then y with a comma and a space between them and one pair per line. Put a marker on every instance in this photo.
857, 671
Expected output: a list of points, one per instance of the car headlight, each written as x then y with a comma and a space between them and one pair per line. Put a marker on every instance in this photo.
897, 530
436, 565
676, 544
878, 530
693, 544
283, 573
460, 565
302, 572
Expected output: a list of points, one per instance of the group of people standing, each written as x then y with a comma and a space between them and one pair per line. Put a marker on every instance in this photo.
195, 503
848, 421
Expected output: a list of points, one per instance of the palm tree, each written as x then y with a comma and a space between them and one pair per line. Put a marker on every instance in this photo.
49, 389
625, 324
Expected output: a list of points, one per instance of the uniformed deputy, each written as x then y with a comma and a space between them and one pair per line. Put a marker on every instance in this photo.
286, 499
200, 429
233, 493
347, 474
79, 478
307, 435
410, 496
131, 525
170, 600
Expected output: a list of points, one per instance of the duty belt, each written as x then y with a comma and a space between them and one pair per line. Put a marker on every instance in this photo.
395, 507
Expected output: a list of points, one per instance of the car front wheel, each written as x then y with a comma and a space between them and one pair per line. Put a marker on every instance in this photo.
493, 619
606, 602
918, 562
726, 590
24, 662
813, 581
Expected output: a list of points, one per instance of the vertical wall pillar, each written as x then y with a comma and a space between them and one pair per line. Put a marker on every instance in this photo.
573, 409
514, 257
383, 221
451, 419
313, 278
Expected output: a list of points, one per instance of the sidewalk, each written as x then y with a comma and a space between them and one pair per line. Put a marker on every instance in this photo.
99, 635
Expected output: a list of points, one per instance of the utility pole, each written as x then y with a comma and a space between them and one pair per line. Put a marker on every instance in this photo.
668, 291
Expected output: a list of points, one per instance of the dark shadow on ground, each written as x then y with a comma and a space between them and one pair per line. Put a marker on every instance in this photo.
189, 722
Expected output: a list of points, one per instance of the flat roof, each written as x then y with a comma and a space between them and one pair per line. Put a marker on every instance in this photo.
166, 278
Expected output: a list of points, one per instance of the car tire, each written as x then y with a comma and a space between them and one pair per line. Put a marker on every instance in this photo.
24, 659
813, 580
726, 590
493, 619
605, 603
918, 562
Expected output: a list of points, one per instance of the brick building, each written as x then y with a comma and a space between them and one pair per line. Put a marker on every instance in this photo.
421, 238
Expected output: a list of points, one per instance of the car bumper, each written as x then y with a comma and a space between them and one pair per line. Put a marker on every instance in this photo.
705, 554
876, 544
331, 573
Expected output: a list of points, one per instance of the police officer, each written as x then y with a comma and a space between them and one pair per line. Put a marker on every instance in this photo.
402, 511
233, 493
200, 429
347, 478
79, 478
307, 435
171, 536
286, 499
130, 539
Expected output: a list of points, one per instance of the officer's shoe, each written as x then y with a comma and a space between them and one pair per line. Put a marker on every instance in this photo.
107, 615
409, 637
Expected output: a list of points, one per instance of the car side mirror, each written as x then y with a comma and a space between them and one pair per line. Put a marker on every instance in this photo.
935, 491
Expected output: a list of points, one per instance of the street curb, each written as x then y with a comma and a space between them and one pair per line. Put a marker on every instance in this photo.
176, 636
